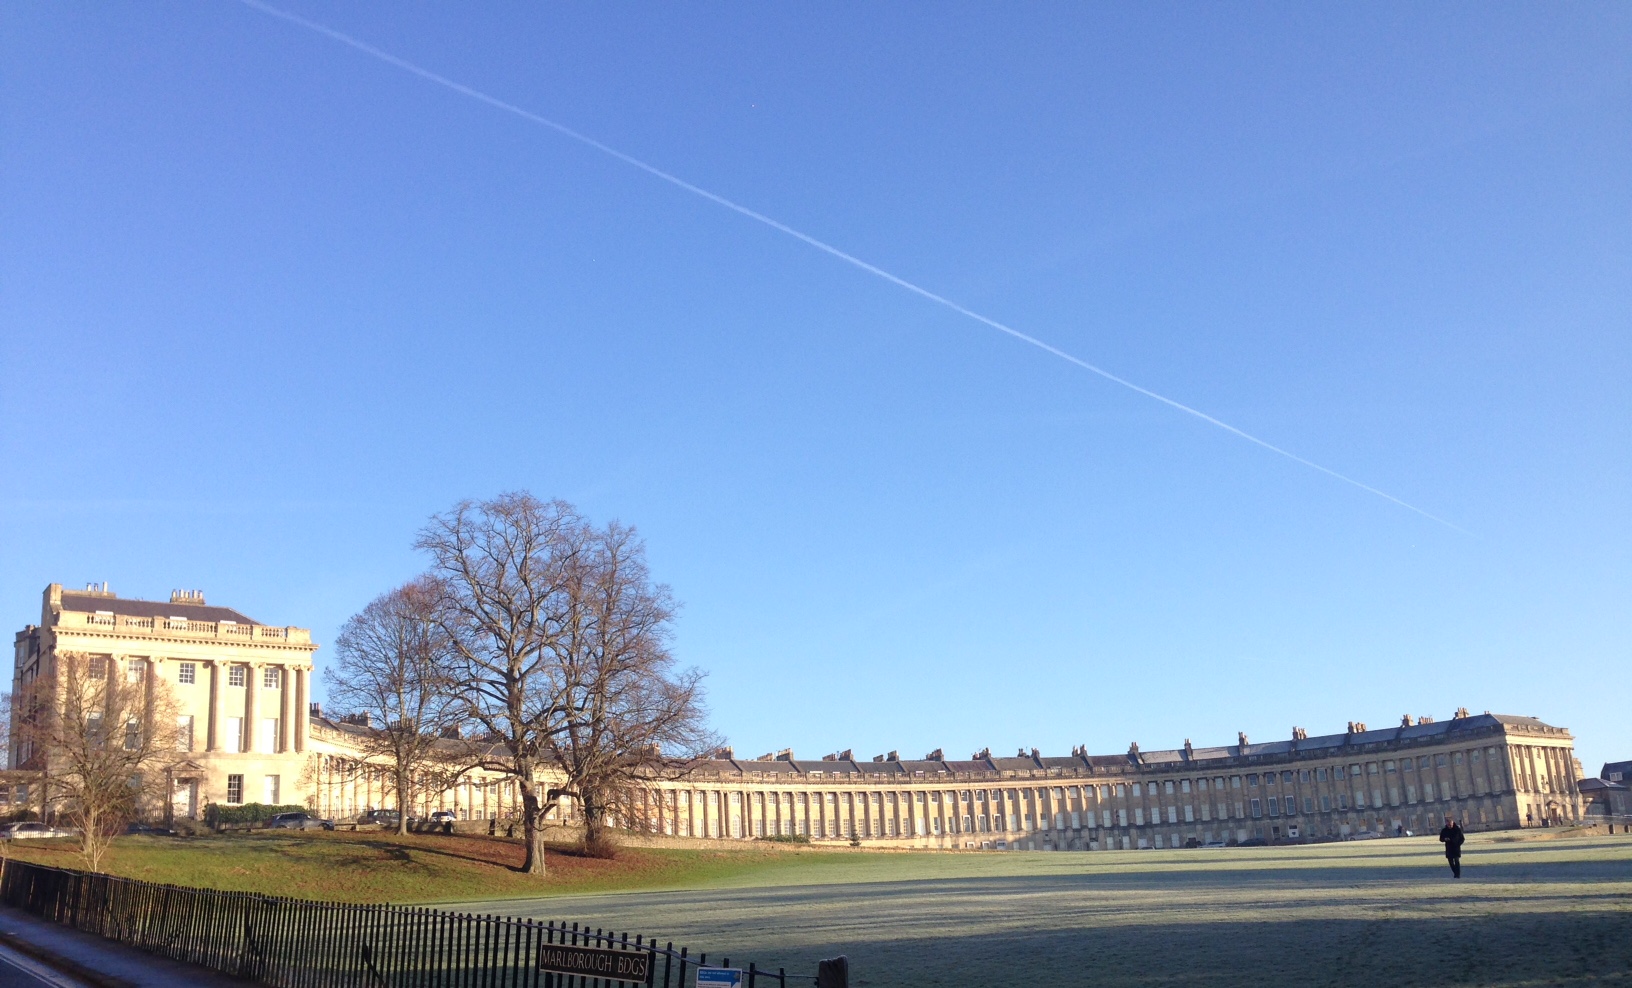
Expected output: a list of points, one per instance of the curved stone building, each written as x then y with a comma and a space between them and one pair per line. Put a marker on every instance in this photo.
252, 736
1489, 771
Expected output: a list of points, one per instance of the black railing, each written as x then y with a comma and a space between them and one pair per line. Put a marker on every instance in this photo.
299, 943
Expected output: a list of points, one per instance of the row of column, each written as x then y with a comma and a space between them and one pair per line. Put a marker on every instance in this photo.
916, 813
348, 787
1542, 768
292, 721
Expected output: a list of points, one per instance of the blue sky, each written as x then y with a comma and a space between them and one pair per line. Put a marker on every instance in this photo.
267, 303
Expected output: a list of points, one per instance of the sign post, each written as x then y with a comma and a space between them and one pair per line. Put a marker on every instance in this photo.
719, 977
594, 962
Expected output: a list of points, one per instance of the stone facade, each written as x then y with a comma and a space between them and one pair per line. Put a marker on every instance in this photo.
1489, 771
241, 687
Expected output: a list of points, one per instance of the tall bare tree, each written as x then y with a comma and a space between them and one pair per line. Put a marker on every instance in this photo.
636, 718
105, 737
391, 663
560, 647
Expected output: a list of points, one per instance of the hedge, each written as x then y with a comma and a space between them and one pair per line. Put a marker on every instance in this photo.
216, 815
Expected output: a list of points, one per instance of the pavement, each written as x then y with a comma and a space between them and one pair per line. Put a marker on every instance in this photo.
35, 953
21, 971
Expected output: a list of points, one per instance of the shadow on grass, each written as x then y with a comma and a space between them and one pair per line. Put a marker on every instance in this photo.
1576, 948
499, 852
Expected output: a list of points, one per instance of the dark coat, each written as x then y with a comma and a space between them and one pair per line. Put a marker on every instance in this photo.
1452, 838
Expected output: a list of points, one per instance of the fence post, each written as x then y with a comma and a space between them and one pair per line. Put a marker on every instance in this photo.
295, 943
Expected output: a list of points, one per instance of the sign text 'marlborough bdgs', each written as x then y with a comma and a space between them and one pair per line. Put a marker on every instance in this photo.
595, 962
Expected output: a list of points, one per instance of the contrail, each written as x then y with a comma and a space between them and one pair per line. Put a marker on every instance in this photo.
826, 248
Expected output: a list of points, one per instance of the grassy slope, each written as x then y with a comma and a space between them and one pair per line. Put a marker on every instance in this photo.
373, 867
1525, 915
1530, 912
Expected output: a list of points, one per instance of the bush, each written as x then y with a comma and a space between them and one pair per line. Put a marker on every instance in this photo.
785, 839
217, 815
603, 846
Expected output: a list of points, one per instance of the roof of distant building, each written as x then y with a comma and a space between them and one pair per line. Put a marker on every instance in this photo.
1594, 785
1034, 765
86, 603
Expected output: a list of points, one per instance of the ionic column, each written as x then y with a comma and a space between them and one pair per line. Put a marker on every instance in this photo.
252, 685
217, 687
150, 675
286, 698
303, 709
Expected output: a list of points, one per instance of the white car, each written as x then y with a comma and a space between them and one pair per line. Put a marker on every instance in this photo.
444, 816
19, 831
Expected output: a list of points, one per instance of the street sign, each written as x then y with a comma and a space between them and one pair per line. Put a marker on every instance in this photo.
719, 977
594, 962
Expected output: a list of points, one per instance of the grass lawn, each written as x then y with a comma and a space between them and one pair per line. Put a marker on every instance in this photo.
1370, 913
1527, 913
376, 867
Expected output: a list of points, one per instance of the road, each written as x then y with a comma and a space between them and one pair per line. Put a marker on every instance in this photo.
18, 971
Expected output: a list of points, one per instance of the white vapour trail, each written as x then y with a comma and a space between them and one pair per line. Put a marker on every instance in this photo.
820, 245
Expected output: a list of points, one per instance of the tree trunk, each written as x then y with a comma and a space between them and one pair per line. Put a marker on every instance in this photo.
594, 822
403, 802
532, 829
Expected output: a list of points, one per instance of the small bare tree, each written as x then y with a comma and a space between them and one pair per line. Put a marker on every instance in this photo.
105, 738
391, 663
559, 651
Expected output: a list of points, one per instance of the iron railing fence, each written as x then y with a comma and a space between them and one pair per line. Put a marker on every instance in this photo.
300, 943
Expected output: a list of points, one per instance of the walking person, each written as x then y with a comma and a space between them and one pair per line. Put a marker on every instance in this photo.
1452, 838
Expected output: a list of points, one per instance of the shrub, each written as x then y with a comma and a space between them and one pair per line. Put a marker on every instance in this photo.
217, 815
602, 845
785, 839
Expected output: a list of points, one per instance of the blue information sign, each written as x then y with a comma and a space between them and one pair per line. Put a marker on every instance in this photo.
719, 977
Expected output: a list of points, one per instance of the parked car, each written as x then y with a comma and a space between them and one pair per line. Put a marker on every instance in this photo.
384, 818
20, 831
1213, 844
298, 821
444, 816
1253, 842
141, 827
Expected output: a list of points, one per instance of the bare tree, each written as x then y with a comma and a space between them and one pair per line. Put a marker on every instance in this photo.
105, 738
636, 718
391, 663
559, 646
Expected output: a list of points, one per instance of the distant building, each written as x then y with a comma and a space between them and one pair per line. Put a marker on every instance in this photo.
1608, 798
241, 686
1605, 802
1490, 771
255, 737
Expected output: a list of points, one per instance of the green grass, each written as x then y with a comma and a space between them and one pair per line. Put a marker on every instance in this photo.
1527, 913
1367, 913
375, 867
378, 867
